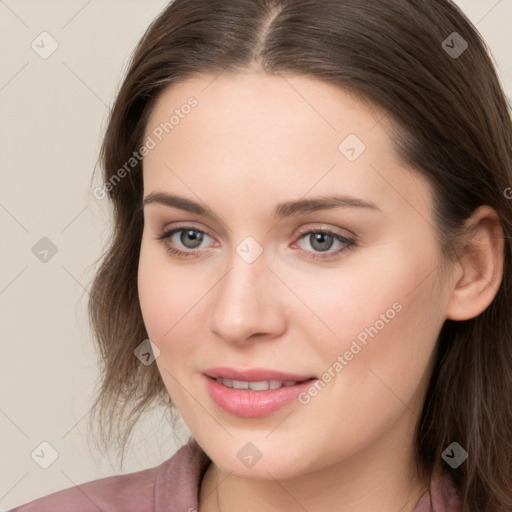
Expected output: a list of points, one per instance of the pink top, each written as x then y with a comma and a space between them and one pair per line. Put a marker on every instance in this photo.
173, 486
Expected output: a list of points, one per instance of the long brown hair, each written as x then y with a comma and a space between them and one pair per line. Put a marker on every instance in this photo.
423, 63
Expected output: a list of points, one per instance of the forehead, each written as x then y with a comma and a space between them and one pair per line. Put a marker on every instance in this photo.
258, 132
288, 103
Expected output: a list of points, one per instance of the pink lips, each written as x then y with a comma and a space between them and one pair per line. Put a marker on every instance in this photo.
249, 403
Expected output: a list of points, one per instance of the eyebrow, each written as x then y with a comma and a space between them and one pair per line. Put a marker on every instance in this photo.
281, 210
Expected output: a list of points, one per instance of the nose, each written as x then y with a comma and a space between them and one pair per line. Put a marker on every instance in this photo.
246, 304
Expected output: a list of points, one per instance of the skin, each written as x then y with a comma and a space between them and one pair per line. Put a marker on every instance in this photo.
255, 140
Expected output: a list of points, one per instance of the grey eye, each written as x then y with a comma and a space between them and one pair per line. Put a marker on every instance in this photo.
321, 241
191, 238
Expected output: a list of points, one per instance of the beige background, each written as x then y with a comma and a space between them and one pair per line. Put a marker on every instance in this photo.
53, 113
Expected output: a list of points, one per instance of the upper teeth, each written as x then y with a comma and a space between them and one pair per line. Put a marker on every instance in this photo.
261, 385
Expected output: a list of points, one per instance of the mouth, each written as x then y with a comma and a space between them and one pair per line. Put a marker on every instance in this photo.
259, 385
256, 392
255, 375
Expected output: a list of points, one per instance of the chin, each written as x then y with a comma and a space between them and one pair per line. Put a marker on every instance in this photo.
257, 460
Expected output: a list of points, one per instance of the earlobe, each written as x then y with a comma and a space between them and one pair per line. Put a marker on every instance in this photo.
480, 266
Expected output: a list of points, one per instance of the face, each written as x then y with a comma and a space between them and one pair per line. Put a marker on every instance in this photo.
343, 294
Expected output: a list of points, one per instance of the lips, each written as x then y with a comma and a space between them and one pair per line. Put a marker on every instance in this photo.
254, 392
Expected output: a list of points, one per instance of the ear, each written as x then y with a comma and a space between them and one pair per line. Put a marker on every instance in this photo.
479, 270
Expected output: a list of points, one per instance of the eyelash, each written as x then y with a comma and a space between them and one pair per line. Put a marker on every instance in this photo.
350, 243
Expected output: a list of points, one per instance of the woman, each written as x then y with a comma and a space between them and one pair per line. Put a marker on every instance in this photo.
312, 226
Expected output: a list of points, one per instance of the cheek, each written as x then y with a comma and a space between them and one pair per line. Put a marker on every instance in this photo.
346, 303
166, 301
381, 316
384, 378
167, 295
401, 353
174, 306
386, 342
152, 297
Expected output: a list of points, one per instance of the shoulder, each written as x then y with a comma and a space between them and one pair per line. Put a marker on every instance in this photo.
106, 494
176, 480
442, 497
